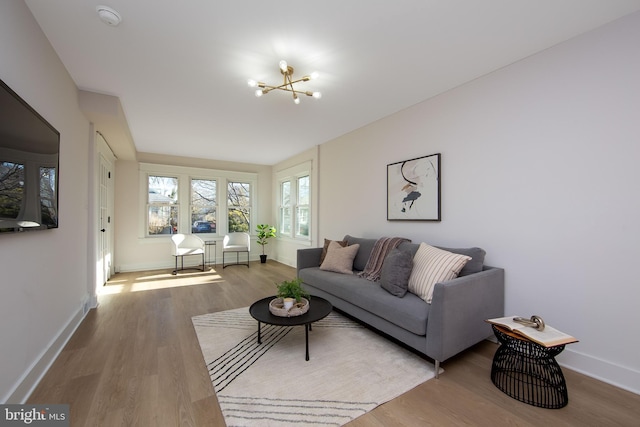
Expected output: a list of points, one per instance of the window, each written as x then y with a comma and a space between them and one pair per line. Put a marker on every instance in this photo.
294, 202
200, 201
302, 207
284, 224
162, 205
203, 205
239, 206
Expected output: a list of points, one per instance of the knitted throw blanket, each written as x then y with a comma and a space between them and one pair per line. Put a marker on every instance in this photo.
381, 249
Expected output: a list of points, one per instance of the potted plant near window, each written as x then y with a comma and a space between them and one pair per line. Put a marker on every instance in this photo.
265, 232
291, 292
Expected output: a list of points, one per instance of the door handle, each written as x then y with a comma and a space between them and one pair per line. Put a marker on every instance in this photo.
103, 230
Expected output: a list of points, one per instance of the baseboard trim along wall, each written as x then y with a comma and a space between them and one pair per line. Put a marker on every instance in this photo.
33, 375
602, 370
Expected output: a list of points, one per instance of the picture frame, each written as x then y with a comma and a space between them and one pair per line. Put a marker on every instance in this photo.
413, 189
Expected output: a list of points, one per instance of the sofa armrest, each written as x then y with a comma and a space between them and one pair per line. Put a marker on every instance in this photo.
459, 309
308, 258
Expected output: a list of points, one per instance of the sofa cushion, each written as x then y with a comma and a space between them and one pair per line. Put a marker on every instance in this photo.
409, 313
474, 265
395, 273
366, 246
342, 243
432, 265
339, 259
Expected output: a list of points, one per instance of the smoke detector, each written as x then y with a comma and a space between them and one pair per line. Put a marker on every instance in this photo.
108, 16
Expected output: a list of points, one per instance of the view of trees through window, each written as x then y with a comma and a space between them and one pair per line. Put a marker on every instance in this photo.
302, 207
203, 205
285, 208
162, 205
239, 206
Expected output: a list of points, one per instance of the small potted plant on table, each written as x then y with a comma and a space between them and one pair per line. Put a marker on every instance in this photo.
292, 292
265, 232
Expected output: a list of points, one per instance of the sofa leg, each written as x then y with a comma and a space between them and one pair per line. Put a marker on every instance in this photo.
437, 369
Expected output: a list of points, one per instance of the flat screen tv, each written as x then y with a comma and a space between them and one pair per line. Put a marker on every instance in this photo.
29, 154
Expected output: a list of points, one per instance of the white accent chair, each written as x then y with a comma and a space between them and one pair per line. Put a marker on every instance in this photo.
236, 242
186, 244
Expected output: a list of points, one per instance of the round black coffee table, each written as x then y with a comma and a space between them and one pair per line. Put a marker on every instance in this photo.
319, 308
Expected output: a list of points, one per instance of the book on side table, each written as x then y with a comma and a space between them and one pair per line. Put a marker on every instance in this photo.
548, 337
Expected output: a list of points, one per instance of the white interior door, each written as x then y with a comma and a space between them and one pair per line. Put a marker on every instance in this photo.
104, 265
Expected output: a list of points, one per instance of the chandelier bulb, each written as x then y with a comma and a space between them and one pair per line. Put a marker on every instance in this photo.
314, 75
259, 93
252, 83
317, 95
283, 66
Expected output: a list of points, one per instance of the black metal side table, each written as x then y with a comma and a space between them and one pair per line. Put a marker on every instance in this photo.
527, 371
207, 249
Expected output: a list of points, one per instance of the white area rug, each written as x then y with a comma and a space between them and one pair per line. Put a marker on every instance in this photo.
351, 370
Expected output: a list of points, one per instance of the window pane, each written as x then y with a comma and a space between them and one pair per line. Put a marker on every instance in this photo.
11, 189
163, 189
239, 204
285, 220
239, 194
203, 206
163, 219
239, 219
303, 190
285, 193
302, 223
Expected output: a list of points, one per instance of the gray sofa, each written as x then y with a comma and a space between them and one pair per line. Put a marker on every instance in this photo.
453, 322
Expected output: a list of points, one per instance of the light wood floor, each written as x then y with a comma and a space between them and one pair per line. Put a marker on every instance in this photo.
135, 361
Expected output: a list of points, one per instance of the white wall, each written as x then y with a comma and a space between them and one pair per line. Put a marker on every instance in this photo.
44, 273
133, 253
540, 168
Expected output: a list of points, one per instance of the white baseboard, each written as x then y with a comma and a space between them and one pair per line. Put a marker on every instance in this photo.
122, 268
34, 374
602, 370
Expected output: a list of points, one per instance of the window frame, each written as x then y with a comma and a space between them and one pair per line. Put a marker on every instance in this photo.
292, 175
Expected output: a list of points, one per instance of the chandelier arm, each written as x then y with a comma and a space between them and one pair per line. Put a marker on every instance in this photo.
281, 87
288, 77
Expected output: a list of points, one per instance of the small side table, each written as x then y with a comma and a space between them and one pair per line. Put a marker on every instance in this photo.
207, 249
527, 371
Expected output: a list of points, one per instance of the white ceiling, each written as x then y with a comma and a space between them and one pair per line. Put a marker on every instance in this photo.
180, 68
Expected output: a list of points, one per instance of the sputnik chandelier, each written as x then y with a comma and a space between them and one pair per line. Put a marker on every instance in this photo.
287, 85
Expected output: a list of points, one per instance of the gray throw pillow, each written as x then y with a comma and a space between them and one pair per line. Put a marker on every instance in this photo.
395, 272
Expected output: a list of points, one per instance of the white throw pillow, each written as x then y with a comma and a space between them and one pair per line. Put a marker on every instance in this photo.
432, 265
339, 259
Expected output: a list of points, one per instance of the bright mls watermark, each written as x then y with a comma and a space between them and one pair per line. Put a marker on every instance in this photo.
34, 415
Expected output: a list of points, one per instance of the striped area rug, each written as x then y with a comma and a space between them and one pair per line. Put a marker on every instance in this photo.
351, 370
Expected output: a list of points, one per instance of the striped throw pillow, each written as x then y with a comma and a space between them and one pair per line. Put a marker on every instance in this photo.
432, 265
